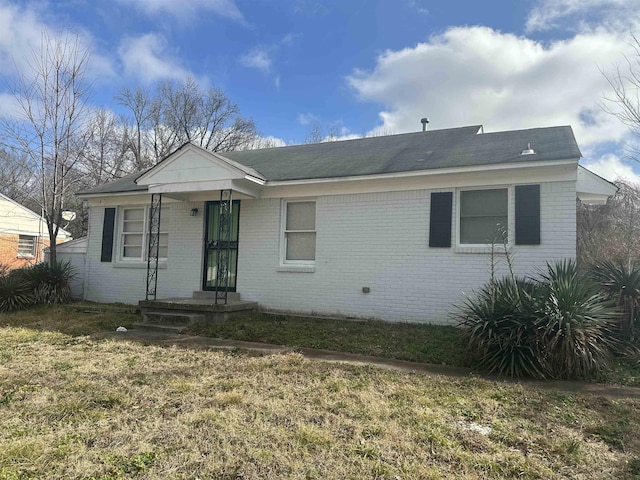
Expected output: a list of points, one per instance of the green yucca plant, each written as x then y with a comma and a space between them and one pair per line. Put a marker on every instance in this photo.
500, 333
620, 282
576, 322
554, 326
15, 293
49, 283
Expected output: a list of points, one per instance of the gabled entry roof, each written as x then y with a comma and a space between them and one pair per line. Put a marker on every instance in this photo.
409, 152
191, 163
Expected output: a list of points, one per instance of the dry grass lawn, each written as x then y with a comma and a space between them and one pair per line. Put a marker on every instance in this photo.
74, 407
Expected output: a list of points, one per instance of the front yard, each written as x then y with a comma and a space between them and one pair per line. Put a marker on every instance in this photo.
82, 407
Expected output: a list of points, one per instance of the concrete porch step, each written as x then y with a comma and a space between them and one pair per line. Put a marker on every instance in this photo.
232, 297
195, 305
171, 318
185, 311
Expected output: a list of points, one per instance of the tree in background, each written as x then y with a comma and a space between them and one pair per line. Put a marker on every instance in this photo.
173, 113
611, 231
50, 131
15, 180
624, 104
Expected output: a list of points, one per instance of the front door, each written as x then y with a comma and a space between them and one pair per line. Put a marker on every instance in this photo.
220, 248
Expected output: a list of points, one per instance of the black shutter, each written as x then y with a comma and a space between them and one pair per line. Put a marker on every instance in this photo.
440, 219
107, 234
528, 215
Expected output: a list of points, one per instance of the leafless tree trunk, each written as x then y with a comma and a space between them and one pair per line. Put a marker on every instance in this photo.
52, 100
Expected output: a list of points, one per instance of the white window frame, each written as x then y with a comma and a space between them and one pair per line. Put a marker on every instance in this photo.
284, 231
34, 246
509, 189
145, 233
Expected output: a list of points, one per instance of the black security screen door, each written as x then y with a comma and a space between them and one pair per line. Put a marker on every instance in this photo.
218, 247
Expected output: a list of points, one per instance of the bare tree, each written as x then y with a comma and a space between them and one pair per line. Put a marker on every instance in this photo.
624, 103
49, 134
139, 103
611, 231
178, 112
15, 179
106, 154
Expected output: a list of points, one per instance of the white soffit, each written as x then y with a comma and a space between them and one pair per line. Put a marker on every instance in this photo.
592, 188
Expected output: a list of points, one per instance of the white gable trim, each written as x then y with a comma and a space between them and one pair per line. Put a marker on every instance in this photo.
195, 164
31, 213
62, 233
592, 188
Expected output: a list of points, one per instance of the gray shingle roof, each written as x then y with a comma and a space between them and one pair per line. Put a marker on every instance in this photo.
448, 148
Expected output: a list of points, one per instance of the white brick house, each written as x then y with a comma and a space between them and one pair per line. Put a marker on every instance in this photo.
393, 227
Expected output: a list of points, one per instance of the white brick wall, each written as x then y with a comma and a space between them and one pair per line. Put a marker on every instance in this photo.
120, 282
376, 240
381, 241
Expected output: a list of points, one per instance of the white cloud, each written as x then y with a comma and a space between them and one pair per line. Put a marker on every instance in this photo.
547, 14
21, 32
9, 106
257, 57
147, 58
418, 6
289, 38
609, 166
476, 75
188, 10
268, 142
307, 118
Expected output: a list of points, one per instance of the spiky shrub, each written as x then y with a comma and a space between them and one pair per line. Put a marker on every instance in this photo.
500, 331
15, 293
49, 283
575, 321
554, 326
620, 282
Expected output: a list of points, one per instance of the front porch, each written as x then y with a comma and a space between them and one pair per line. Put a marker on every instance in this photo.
193, 174
177, 314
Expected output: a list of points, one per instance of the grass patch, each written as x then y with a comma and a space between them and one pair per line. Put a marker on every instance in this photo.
79, 407
404, 341
68, 319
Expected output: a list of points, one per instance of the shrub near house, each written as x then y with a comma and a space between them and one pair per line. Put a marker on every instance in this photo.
559, 324
40, 284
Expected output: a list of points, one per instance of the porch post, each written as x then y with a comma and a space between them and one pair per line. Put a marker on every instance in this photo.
224, 254
153, 246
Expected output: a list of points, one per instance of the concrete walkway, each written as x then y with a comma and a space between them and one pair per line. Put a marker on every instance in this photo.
191, 341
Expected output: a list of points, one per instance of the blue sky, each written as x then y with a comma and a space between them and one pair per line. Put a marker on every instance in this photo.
358, 67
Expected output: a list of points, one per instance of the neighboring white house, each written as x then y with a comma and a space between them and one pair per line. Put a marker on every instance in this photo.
23, 235
394, 227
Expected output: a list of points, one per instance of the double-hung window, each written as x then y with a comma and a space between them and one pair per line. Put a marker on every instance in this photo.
484, 216
26, 246
299, 233
135, 234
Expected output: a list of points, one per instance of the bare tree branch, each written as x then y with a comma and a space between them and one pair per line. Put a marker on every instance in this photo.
50, 134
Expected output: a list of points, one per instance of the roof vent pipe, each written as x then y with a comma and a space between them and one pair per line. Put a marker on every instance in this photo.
528, 150
424, 122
